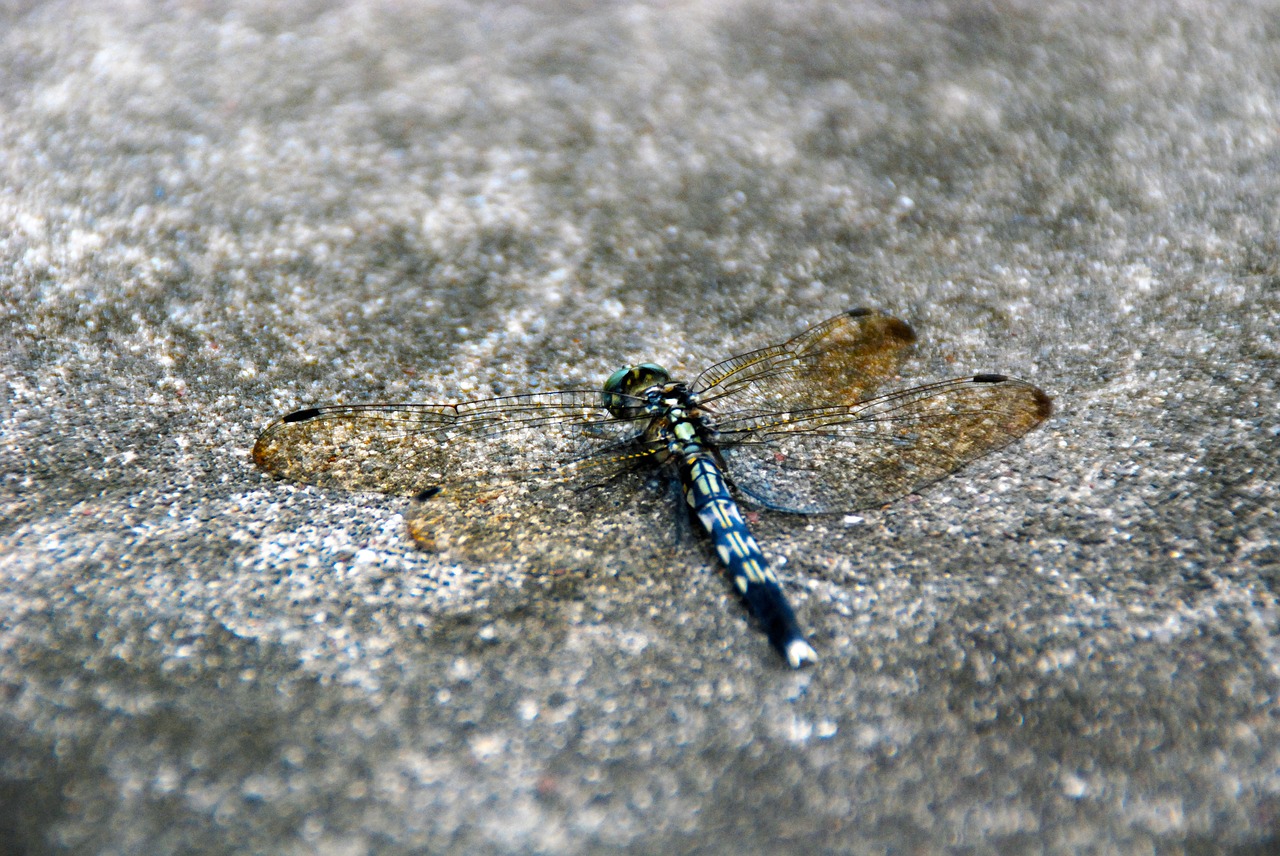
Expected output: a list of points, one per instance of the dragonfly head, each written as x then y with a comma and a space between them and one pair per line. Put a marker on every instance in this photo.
625, 386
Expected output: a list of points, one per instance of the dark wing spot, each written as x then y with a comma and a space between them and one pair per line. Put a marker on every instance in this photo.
989, 378
426, 493
1044, 405
302, 415
900, 330
859, 312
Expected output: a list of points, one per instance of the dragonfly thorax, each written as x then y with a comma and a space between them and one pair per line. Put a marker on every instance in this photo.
679, 426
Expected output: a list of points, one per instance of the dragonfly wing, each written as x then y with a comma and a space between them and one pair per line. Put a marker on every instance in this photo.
837, 459
404, 448
550, 524
836, 362
543, 481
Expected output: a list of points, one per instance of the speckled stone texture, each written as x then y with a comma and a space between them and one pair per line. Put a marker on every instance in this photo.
214, 212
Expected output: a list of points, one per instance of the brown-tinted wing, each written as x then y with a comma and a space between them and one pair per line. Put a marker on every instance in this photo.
836, 362
836, 459
629, 516
547, 481
404, 448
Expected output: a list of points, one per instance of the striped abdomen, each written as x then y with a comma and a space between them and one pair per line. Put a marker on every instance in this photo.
708, 496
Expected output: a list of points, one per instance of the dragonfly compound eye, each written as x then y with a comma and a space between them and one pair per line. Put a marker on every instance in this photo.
626, 385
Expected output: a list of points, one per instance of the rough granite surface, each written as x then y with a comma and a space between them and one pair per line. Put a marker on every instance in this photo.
212, 213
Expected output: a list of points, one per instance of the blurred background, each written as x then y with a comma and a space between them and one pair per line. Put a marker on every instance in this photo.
214, 213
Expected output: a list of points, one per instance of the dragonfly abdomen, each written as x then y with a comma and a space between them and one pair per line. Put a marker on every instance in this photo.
708, 496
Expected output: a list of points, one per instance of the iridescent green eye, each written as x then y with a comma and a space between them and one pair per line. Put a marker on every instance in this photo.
614, 383
627, 384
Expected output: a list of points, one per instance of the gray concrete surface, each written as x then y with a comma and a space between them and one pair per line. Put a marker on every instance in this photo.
212, 213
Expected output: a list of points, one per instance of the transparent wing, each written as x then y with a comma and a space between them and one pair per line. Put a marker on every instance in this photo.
404, 448
542, 480
836, 362
552, 525
835, 459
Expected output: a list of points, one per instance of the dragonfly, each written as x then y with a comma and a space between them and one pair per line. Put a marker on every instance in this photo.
557, 479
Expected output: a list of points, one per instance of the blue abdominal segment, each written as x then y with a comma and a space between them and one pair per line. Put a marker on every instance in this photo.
708, 496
